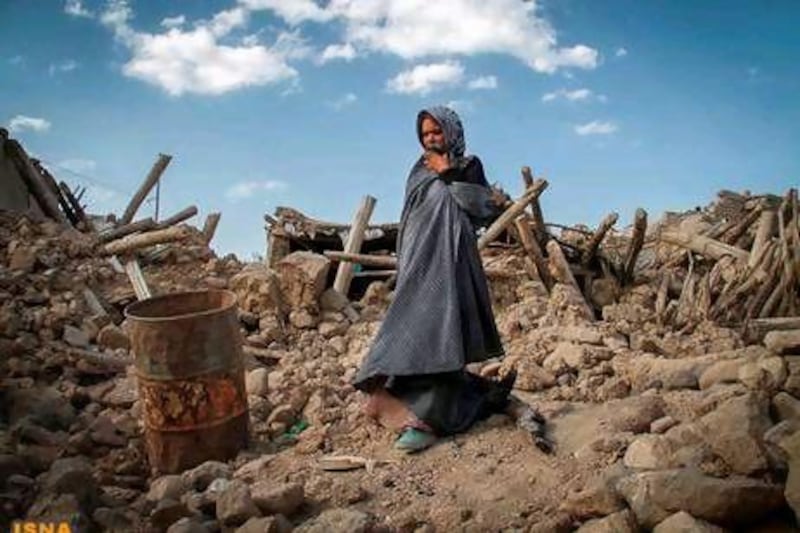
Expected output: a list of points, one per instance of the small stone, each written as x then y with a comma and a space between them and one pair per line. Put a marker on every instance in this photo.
75, 337
72, 475
170, 487
235, 505
257, 382
112, 337
167, 512
620, 522
683, 522
188, 525
22, 258
786, 406
282, 499
267, 524
103, 431
663, 424
200, 477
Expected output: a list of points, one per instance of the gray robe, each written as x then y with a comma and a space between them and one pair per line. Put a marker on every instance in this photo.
441, 316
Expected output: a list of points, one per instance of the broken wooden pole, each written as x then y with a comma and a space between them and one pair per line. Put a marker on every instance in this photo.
732, 236
597, 238
34, 181
144, 189
533, 250
510, 214
210, 227
136, 277
178, 217
76, 206
539, 229
705, 246
145, 224
767, 224
344, 274
48, 178
143, 240
637, 240
562, 272
380, 261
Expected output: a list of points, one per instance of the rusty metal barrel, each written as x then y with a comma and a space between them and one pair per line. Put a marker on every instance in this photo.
190, 372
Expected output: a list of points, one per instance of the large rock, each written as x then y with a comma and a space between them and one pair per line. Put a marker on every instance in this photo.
736, 500
266, 524
169, 487
73, 475
621, 522
235, 505
683, 522
257, 382
598, 497
201, 476
258, 290
786, 406
531, 377
284, 498
735, 432
648, 452
303, 276
721, 372
766, 374
783, 342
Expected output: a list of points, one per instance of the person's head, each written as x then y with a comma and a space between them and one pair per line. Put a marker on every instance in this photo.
439, 129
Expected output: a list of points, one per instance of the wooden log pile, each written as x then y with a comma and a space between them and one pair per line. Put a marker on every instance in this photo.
741, 265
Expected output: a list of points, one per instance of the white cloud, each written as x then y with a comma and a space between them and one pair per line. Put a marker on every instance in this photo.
484, 82
596, 128
346, 100
78, 166
508, 27
247, 189
293, 11
65, 66
194, 61
423, 79
338, 51
576, 95
21, 123
621, 52
174, 22
76, 9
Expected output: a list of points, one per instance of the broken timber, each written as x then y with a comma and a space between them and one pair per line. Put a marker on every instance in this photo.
344, 274
152, 177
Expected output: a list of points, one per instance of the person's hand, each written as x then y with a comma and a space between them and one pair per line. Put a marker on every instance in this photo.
437, 162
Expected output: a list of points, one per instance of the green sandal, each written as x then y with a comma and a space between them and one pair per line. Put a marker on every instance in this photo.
414, 440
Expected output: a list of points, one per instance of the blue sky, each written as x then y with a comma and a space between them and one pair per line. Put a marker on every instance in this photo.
619, 104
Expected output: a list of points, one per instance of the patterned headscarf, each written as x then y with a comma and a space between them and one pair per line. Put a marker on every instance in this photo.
451, 127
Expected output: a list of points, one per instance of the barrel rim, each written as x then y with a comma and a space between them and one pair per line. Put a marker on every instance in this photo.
131, 308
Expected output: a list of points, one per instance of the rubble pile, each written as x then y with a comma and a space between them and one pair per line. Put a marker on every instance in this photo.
659, 422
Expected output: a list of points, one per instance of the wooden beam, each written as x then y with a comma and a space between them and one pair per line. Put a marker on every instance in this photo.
136, 278
379, 261
143, 240
597, 238
539, 229
145, 224
767, 224
705, 246
533, 250
210, 227
344, 274
637, 240
510, 214
76, 206
34, 181
144, 189
178, 217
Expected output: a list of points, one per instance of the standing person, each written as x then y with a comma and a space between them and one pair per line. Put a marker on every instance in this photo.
440, 318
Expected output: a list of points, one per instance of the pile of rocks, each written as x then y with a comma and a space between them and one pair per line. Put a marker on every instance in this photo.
663, 429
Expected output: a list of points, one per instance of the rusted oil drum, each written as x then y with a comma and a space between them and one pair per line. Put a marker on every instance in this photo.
190, 370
